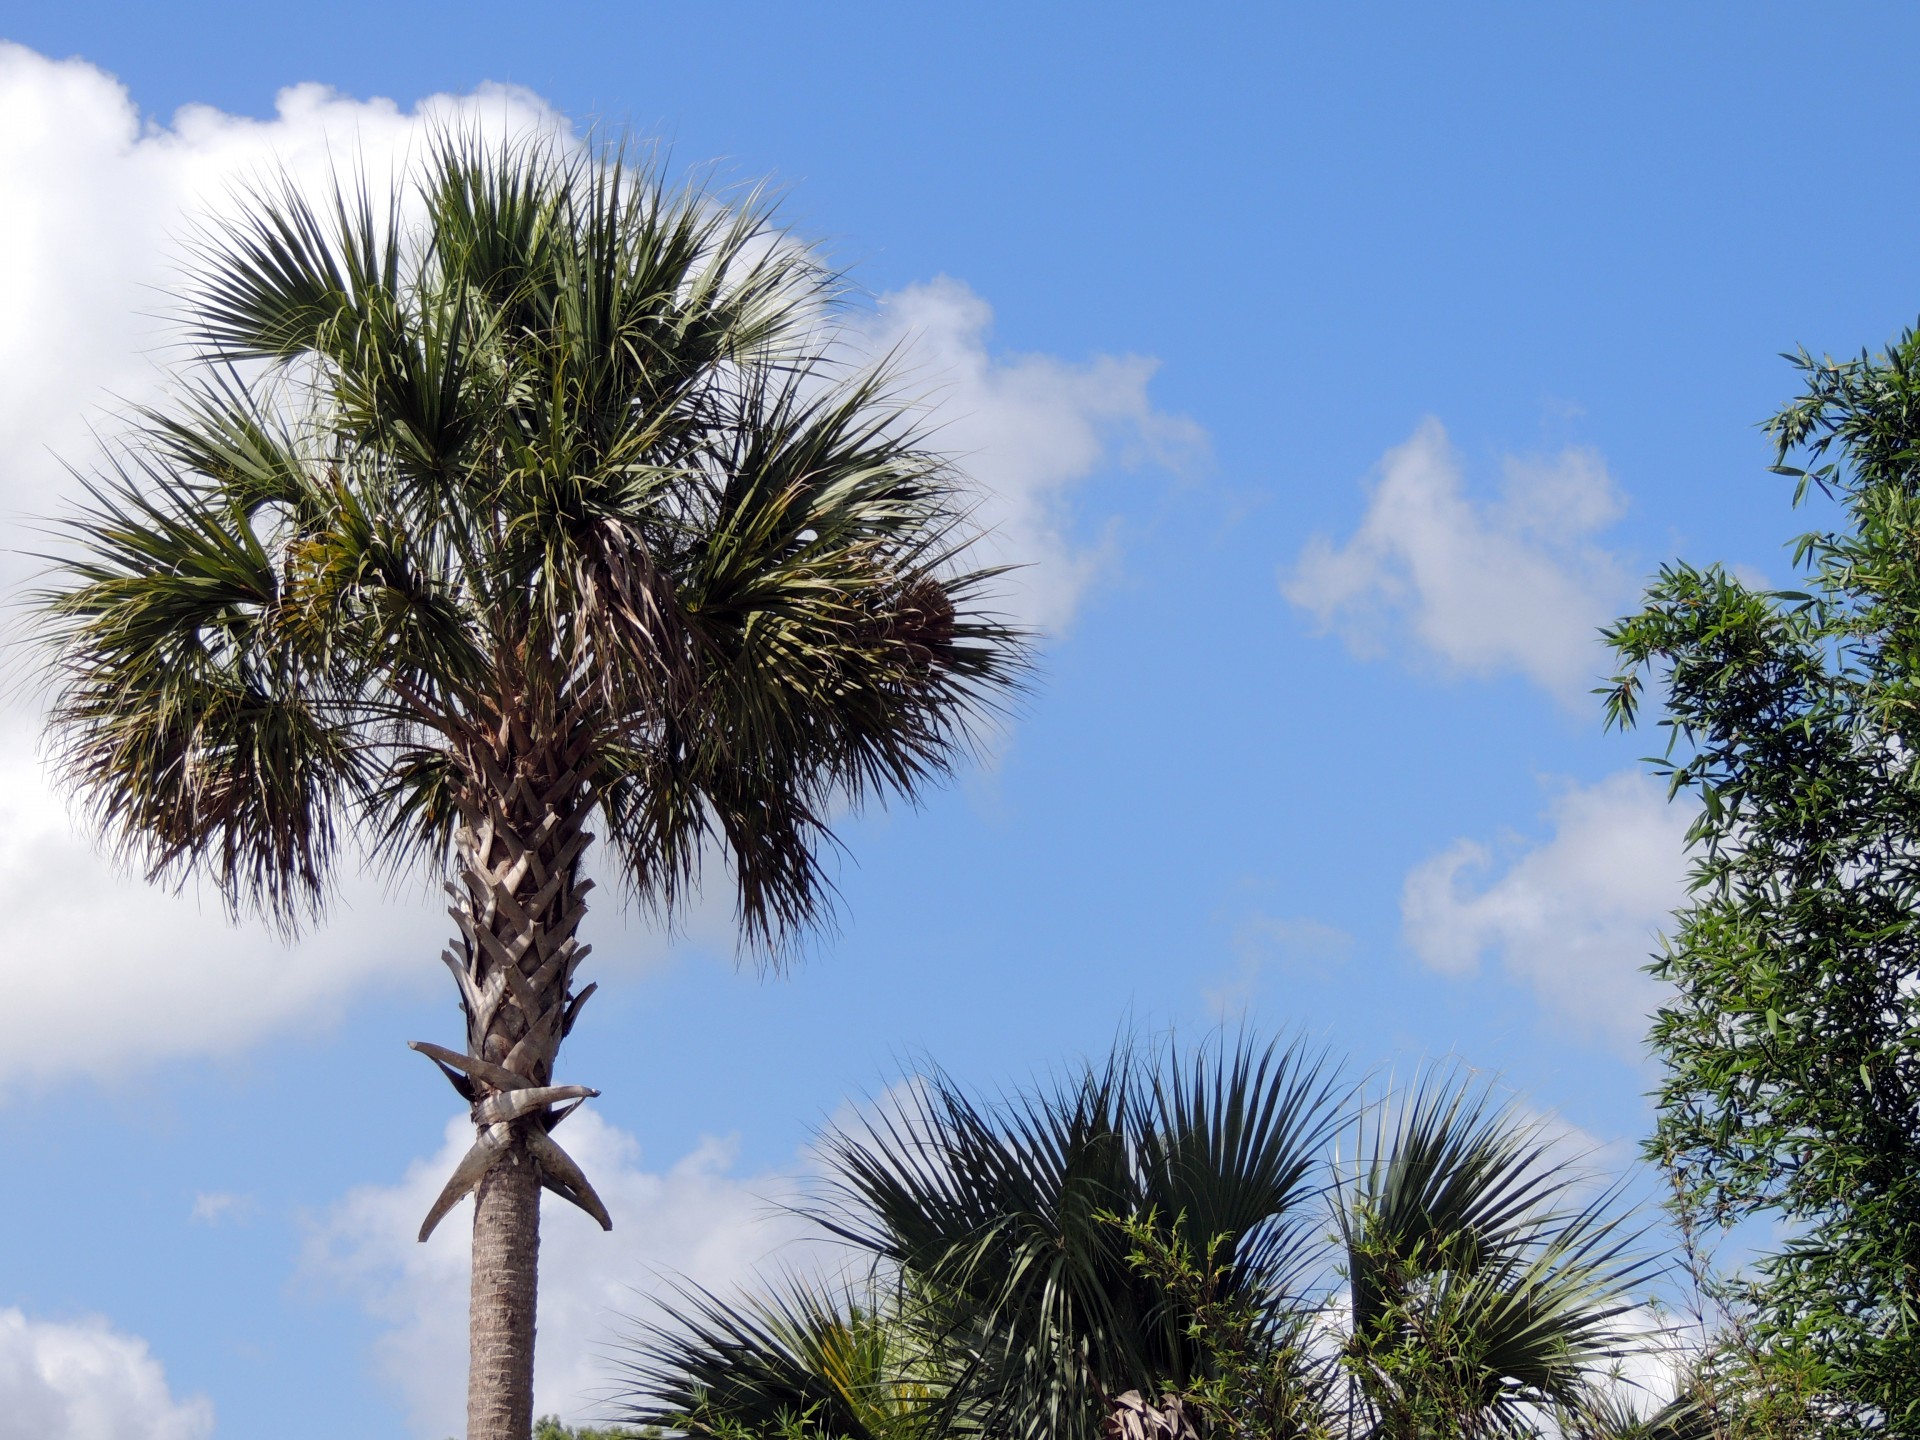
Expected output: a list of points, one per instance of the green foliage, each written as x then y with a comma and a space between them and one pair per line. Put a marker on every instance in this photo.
796, 1362
557, 465
1792, 1041
994, 1214
548, 1427
1260, 1377
1145, 1245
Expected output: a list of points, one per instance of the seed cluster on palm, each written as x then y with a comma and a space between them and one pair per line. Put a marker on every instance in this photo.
531, 496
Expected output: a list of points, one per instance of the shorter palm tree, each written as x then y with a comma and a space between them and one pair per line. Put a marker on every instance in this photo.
999, 1237
1139, 1253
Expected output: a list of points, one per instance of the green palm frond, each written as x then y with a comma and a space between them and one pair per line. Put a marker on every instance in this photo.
546, 448
800, 1359
1483, 1277
1233, 1148
196, 719
1007, 1215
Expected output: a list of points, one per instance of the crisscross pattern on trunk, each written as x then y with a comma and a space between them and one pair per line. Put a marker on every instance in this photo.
517, 905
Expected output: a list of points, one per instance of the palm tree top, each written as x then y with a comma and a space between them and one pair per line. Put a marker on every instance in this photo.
539, 472
1143, 1245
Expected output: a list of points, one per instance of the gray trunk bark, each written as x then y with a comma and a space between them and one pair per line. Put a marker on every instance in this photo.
506, 1255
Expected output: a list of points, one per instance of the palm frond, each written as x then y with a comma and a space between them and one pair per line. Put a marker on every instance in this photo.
1008, 1214
798, 1359
194, 724
1232, 1148
1482, 1272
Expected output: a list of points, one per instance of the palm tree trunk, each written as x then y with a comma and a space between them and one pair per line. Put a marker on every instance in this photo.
518, 904
506, 1255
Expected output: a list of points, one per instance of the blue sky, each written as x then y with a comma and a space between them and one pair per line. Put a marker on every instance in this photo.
1336, 369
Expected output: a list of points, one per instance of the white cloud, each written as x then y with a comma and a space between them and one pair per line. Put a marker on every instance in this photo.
1573, 918
693, 1219
98, 201
85, 1380
1029, 429
1659, 1352
118, 974
1517, 584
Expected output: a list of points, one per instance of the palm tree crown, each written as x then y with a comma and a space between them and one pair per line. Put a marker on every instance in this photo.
556, 471
1004, 1219
1141, 1252
535, 495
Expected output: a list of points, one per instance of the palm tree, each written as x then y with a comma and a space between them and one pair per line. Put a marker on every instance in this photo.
1004, 1230
1485, 1288
1141, 1252
527, 499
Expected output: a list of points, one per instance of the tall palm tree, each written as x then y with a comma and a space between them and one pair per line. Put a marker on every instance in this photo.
526, 499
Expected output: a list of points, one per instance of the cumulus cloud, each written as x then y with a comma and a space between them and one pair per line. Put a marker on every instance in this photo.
85, 1380
99, 202
1574, 918
1660, 1351
1517, 584
1030, 430
693, 1219
118, 974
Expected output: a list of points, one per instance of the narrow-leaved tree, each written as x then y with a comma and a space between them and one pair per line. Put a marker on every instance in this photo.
1791, 1037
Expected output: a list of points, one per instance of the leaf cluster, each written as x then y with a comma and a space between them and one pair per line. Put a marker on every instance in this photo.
1484, 1288
1792, 1036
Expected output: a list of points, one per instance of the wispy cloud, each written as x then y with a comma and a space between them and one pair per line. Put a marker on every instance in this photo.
221, 1207
1263, 944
